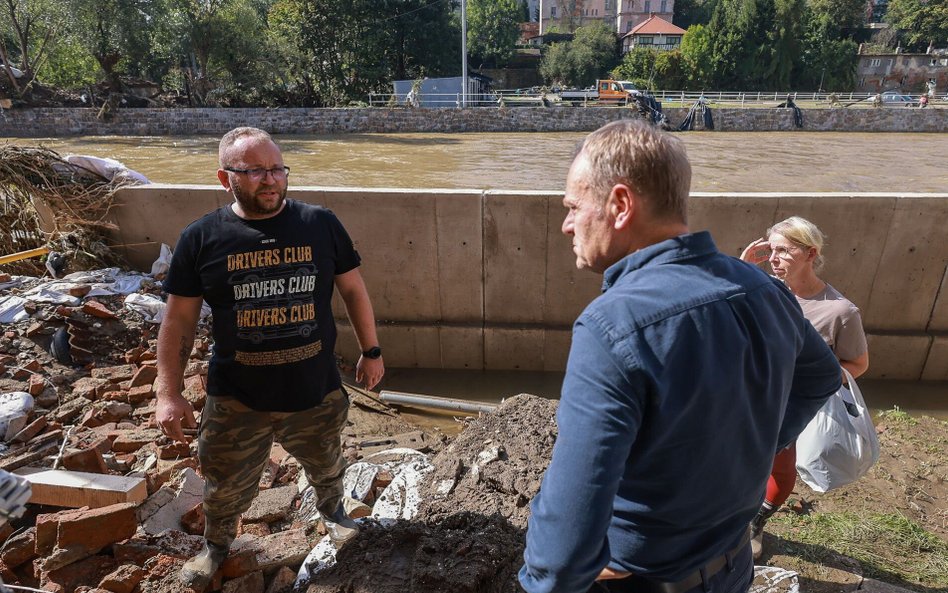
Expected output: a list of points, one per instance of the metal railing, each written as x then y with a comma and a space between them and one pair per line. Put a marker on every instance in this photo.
547, 97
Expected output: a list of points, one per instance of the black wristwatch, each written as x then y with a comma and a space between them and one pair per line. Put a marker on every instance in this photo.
373, 352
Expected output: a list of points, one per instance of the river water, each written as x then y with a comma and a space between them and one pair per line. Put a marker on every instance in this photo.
731, 161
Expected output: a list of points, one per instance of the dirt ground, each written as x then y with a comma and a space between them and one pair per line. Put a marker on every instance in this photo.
469, 535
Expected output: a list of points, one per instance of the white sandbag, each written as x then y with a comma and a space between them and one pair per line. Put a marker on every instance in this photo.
837, 447
15, 409
13, 309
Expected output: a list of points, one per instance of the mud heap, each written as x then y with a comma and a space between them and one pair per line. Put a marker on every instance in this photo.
470, 528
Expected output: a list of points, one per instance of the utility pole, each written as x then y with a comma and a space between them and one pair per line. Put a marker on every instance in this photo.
541, 18
463, 53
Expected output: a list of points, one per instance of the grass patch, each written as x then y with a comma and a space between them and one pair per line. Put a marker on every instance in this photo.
897, 416
886, 545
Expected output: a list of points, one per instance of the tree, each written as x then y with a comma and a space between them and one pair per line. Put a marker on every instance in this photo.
30, 28
920, 21
493, 28
781, 53
697, 57
693, 12
846, 14
116, 34
579, 62
638, 67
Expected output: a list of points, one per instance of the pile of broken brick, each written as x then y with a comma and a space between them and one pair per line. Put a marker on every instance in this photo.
79, 425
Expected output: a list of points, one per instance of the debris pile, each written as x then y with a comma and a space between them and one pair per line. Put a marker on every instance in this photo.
115, 504
75, 201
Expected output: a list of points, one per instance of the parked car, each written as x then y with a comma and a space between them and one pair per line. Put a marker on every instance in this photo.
897, 99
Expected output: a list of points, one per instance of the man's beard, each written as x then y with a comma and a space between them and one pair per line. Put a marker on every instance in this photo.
251, 205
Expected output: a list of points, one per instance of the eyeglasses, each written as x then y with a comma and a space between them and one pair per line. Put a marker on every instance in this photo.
784, 252
260, 173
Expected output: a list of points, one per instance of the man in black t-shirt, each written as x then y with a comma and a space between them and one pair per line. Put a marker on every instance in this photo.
267, 266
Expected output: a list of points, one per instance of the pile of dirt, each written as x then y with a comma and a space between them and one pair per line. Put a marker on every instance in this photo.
470, 529
496, 464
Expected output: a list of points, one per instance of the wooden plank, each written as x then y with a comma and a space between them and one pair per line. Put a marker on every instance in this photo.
81, 489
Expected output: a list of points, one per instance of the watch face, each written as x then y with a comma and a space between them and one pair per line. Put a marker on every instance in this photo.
373, 352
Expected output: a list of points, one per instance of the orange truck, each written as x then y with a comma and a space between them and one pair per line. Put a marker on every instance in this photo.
605, 91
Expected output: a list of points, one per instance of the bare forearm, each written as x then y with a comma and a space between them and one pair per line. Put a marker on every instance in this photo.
175, 341
362, 318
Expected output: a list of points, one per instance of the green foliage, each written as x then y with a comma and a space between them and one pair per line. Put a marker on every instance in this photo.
589, 56
693, 12
846, 14
493, 27
920, 21
116, 33
827, 62
28, 34
638, 67
69, 66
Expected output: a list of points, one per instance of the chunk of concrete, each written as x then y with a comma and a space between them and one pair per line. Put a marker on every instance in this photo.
164, 509
15, 409
271, 505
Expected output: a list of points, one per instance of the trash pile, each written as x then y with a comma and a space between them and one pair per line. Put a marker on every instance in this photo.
116, 505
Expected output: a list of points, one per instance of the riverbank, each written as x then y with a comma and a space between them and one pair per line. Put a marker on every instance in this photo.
63, 122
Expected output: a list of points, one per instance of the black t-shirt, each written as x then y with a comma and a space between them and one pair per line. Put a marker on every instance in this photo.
269, 283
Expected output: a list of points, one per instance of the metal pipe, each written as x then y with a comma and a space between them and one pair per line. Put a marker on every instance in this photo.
6, 259
431, 401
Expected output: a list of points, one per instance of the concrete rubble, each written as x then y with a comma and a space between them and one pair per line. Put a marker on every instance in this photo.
77, 402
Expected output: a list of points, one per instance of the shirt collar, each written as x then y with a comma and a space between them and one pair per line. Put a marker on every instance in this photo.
670, 250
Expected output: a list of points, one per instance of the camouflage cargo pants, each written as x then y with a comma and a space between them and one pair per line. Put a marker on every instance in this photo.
234, 445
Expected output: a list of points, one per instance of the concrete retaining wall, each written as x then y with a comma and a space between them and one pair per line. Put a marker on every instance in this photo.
485, 280
61, 122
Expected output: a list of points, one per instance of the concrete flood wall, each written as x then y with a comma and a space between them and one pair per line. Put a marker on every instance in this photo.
62, 122
485, 280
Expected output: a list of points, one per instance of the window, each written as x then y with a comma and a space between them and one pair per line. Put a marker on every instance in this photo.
875, 62
608, 5
673, 41
646, 40
664, 5
628, 26
648, 5
552, 12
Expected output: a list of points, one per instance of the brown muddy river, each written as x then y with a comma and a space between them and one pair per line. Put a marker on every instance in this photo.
723, 161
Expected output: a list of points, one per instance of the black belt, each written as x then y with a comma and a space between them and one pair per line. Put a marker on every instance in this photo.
702, 575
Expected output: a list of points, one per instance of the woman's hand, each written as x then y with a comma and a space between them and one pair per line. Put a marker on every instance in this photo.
757, 252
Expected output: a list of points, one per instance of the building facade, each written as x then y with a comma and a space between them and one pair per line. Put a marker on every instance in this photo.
909, 73
622, 16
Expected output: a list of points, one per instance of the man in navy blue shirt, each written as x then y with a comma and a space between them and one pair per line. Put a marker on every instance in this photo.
684, 378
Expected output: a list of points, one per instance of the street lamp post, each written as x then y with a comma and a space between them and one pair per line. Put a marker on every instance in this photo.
463, 53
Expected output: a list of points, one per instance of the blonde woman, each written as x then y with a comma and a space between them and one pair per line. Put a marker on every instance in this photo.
794, 249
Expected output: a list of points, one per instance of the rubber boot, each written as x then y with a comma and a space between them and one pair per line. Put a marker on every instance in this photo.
757, 528
196, 574
339, 526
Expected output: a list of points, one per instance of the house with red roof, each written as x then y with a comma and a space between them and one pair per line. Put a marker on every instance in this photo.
654, 32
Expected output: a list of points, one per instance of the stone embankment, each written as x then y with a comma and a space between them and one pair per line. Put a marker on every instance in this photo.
60, 122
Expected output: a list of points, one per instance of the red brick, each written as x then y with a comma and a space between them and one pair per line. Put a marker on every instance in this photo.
91, 529
97, 309
255, 529
174, 451
123, 579
4, 277
26, 370
30, 430
79, 290
131, 356
145, 375
115, 374
137, 395
87, 460
129, 441
20, 548
193, 521
67, 578
37, 384
34, 329
147, 357
86, 387
251, 583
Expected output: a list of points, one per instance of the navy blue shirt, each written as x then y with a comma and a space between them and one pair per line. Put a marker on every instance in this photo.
684, 378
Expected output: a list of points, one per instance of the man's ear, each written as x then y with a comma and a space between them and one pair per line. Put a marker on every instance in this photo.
224, 178
621, 205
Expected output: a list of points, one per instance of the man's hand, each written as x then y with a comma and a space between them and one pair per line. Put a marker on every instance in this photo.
608, 574
172, 413
369, 371
757, 252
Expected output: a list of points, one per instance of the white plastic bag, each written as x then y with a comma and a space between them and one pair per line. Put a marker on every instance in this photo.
836, 447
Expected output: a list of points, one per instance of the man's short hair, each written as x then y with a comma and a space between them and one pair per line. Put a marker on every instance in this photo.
231, 138
653, 163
